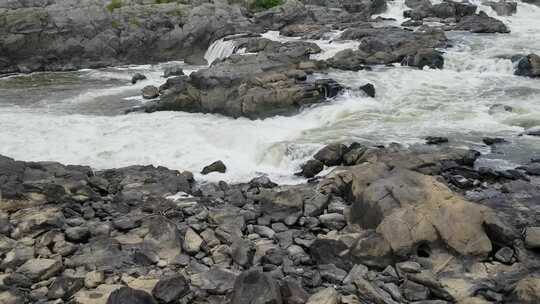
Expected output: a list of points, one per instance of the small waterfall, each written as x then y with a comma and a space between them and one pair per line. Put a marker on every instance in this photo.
220, 49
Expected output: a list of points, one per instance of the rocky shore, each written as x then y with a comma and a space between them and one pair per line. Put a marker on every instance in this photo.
387, 225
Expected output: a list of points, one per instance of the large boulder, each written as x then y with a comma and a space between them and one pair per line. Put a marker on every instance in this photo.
127, 295
481, 23
444, 10
253, 86
502, 7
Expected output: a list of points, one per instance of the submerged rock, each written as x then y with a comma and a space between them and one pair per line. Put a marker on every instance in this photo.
150, 92
137, 77
217, 166
528, 66
369, 89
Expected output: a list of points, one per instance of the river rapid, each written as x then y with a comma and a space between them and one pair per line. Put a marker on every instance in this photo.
78, 117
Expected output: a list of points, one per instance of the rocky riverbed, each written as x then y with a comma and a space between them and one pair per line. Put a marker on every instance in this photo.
319, 152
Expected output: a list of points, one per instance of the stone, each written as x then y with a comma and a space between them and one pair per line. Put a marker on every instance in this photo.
40, 269
256, 287
331, 155
330, 251
127, 295
170, 289
95, 296
414, 292
481, 23
163, 238
217, 166
528, 66
505, 255
311, 168
93, 279
532, 237
150, 92
137, 77
77, 234
216, 280
332, 274
192, 241
436, 140
65, 287
326, 296
526, 291
173, 71
333, 220
369, 89
502, 7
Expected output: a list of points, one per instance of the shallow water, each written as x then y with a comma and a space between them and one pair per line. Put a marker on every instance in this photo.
77, 117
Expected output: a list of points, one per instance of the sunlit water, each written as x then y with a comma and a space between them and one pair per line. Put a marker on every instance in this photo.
77, 117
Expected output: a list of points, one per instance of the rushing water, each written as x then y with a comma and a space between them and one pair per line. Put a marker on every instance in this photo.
77, 117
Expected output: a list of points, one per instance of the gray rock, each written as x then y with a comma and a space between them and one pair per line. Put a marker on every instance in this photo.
333, 220
150, 92
192, 241
528, 66
414, 292
502, 7
127, 295
481, 23
77, 234
311, 168
331, 155
256, 287
173, 71
425, 57
65, 287
505, 255
325, 296
216, 280
217, 166
332, 274
137, 77
369, 89
170, 289
532, 237
40, 269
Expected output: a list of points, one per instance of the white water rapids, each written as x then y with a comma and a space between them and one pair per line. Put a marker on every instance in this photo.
76, 117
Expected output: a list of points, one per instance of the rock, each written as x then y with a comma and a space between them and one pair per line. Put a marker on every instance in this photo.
216, 280
93, 279
163, 238
292, 291
77, 234
331, 273
329, 251
95, 296
8, 297
425, 57
173, 71
65, 287
326, 296
170, 289
502, 7
505, 255
499, 108
331, 155
528, 66
127, 295
150, 92
256, 287
372, 249
443, 10
481, 23
369, 89
40, 269
535, 2
414, 292
217, 166
527, 291
137, 77
126, 223
311, 168
532, 237
192, 241
370, 293
492, 141
242, 252
436, 140
333, 221
17, 256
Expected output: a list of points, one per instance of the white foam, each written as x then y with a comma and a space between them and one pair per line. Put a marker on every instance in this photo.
219, 49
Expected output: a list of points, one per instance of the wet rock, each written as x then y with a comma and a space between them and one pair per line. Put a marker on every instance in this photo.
412, 23
311, 168
481, 23
534, 131
137, 77
173, 71
331, 155
436, 140
40, 269
499, 108
502, 7
532, 237
256, 287
150, 92
444, 10
65, 287
369, 89
493, 140
217, 166
127, 295
326, 296
527, 291
425, 57
171, 289
528, 66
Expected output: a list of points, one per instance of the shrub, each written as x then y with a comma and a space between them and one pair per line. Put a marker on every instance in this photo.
266, 4
114, 5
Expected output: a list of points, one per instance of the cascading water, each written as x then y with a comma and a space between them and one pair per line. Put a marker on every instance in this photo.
51, 120
219, 49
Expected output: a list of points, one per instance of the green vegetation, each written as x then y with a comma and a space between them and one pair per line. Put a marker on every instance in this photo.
266, 4
115, 24
114, 5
